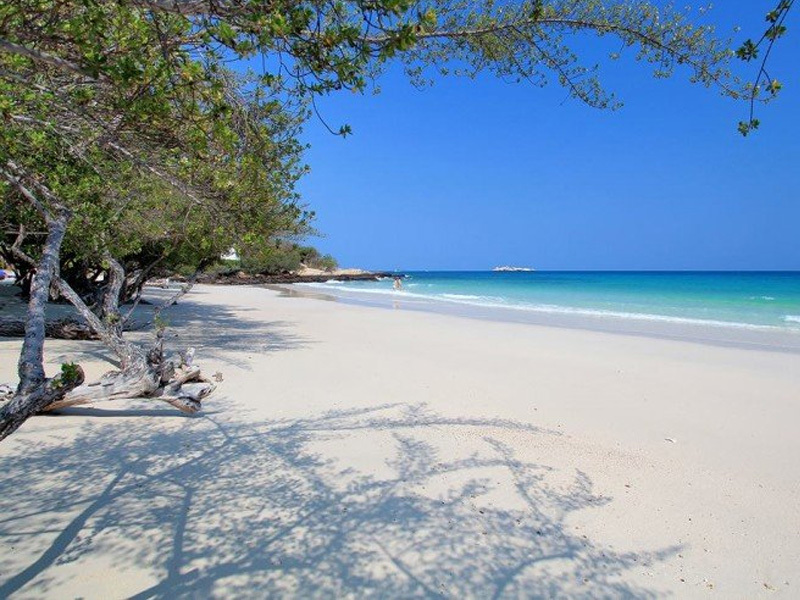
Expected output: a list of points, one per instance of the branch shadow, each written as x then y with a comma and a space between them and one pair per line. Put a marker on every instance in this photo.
85, 411
213, 507
214, 330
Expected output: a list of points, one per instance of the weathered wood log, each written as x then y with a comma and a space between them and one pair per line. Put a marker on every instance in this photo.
184, 389
61, 329
114, 385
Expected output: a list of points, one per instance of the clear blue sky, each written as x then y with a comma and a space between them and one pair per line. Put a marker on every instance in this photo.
473, 174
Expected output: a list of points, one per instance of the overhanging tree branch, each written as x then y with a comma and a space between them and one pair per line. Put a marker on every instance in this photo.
45, 58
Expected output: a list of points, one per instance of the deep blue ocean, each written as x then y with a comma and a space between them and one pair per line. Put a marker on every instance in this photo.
750, 300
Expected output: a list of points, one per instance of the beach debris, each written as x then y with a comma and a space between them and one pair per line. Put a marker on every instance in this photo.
188, 357
670, 440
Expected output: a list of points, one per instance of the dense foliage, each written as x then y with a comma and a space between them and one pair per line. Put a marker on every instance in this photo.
165, 162
126, 112
279, 257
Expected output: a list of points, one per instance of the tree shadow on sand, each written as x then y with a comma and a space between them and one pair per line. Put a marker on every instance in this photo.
213, 508
215, 331
214, 328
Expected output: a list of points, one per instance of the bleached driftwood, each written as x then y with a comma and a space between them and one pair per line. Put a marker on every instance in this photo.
183, 386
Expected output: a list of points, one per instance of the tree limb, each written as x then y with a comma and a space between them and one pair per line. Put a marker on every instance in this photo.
44, 57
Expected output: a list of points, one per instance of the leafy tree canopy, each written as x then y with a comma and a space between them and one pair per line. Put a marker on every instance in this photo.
126, 113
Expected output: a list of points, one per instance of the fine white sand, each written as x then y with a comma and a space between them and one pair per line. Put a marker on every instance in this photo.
364, 452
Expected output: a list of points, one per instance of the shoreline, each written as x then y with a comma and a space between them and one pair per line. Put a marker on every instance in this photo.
721, 335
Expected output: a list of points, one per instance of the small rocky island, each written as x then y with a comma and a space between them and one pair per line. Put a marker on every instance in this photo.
507, 269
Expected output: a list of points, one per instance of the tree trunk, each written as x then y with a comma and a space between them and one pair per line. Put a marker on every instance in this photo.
24, 405
35, 391
110, 308
31, 358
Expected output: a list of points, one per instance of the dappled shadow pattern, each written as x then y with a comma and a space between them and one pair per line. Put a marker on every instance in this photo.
215, 331
213, 508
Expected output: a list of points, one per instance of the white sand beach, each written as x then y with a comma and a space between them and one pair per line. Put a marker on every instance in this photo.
354, 451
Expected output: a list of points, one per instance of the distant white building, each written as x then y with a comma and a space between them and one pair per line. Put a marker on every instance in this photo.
230, 255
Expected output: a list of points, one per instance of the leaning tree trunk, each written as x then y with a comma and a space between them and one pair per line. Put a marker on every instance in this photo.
31, 360
35, 391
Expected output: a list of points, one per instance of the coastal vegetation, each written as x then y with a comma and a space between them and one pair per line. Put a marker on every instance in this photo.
280, 257
131, 147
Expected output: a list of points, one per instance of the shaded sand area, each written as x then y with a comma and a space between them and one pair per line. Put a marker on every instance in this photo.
364, 452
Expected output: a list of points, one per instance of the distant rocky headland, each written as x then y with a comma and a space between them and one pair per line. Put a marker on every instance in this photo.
304, 275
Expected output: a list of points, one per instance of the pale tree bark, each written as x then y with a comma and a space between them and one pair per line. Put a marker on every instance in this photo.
31, 360
116, 279
35, 391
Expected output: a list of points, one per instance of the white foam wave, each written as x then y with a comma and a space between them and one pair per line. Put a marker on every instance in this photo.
461, 297
501, 303
335, 285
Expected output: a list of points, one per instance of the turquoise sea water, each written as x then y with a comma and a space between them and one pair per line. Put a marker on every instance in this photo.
768, 301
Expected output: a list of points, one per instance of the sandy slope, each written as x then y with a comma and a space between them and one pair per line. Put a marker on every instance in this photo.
354, 452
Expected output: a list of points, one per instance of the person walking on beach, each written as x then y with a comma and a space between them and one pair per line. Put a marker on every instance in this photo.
397, 285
